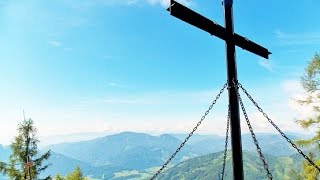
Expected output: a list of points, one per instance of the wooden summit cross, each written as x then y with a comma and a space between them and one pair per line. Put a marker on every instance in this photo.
232, 39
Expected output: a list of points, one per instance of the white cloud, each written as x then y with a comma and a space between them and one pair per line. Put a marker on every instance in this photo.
54, 43
302, 111
294, 90
159, 112
153, 112
275, 99
293, 87
297, 38
258, 122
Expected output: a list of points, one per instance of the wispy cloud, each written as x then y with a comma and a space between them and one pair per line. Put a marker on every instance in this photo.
297, 38
54, 43
166, 3
267, 64
116, 84
58, 44
122, 101
163, 98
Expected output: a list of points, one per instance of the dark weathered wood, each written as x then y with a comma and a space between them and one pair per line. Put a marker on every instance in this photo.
233, 96
187, 15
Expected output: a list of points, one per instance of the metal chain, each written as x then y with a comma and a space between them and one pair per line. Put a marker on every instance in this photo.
226, 145
191, 133
265, 165
277, 128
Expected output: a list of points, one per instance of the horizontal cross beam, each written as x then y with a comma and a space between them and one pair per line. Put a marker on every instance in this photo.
185, 14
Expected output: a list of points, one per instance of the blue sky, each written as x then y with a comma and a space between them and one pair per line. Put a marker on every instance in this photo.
114, 65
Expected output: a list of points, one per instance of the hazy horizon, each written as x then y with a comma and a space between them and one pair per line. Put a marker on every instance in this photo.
85, 136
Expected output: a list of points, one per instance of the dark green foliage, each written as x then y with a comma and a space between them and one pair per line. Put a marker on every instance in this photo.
24, 149
58, 177
311, 83
76, 174
310, 80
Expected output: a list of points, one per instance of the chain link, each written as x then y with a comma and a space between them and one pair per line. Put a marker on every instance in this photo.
191, 133
277, 128
226, 145
265, 165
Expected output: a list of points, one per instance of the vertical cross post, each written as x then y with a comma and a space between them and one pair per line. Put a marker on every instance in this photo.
233, 97
232, 39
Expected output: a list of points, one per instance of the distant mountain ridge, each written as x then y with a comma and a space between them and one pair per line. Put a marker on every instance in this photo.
272, 144
132, 150
140, 155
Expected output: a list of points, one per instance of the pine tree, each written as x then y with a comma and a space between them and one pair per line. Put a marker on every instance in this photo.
24, 162
309, 172
58, 177
76, 175
311, 84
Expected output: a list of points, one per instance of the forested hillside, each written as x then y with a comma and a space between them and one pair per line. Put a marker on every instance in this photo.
209, 167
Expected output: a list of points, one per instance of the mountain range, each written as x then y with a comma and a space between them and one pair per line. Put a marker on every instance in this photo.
138, 155
132, 150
